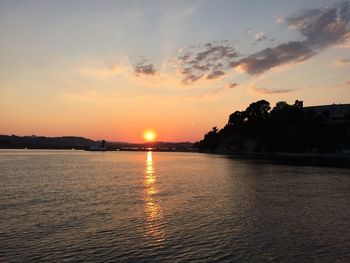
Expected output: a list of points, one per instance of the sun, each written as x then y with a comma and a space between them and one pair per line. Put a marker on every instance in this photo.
149, 135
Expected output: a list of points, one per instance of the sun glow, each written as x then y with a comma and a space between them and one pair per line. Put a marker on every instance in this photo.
149, 135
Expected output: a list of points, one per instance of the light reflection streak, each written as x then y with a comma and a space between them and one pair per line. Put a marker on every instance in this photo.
154, 214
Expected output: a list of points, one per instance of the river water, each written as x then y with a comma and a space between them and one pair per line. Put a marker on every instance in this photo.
58, 206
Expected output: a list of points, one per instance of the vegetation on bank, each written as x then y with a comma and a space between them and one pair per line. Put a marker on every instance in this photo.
285, 128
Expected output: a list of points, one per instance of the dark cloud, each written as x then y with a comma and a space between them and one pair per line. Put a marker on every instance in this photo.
231, 85
145, 68
215, 74
210, 60
323, 27
319, 29
272, 57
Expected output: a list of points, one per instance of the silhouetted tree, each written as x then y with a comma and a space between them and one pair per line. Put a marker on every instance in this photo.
285, 128
298, 104
257, 111
236, 118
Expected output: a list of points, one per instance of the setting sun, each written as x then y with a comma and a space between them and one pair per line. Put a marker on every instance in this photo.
149, 136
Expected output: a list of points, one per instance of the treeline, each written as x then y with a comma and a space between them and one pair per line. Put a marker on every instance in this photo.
285, 128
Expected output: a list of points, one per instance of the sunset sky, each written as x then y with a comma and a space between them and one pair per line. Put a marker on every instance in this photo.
113, 69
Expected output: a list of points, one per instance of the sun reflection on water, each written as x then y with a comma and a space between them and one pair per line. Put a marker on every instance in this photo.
154, 214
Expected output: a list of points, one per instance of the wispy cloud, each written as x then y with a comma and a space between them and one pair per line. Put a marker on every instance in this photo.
320, 28
323, 27
270, 91
209, 61
213, 93
145, 68
200, 65
280, 19
342, 62
259, 36
216, 74
231, 85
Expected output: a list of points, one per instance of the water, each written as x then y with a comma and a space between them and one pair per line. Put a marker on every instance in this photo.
169, 207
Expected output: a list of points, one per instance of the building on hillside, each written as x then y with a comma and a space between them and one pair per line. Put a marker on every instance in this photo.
333, 112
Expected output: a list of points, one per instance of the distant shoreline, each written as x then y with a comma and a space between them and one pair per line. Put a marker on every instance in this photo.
108, 150
81, 143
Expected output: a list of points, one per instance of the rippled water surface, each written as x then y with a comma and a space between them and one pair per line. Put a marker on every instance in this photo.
169, 207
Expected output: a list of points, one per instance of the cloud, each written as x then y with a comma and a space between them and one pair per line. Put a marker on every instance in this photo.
321, 28
213, 93
199, 65
342, 62
259, 36
209, 61
145, 68
268, 58
215, 74
345, 44
231, 85
280, 19
270, 91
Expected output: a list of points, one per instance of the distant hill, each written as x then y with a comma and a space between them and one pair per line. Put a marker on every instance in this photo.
70, 142
41, 142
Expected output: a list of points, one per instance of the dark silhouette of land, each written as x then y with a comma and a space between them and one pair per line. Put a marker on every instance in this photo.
80, 143
41, 142
284, 129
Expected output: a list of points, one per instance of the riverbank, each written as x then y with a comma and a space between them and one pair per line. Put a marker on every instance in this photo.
308, 159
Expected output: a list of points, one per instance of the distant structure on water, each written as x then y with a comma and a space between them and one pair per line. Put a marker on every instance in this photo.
100, 147
332, 112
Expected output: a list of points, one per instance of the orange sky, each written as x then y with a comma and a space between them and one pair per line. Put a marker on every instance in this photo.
113, 71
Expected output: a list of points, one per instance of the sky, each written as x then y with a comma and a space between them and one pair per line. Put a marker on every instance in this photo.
113, 69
